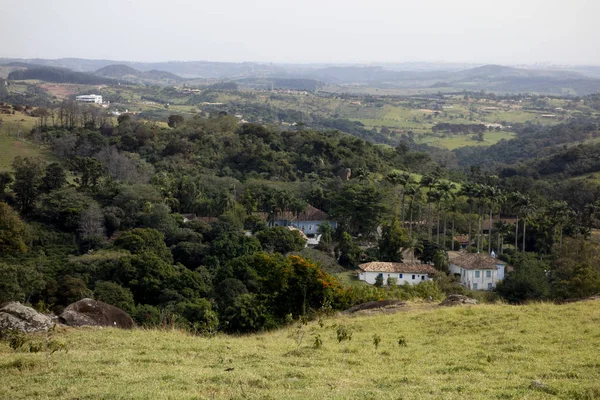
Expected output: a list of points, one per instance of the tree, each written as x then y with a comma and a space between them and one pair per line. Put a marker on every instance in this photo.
393, 239
12, 231
527, 208
496, 197
175, 120
87, 170
469, 190
281, 239
349, 252
576, 271
114, 294
28, 174
429, 182
142, 240
528, 281
54, 178
5, 180
441, 261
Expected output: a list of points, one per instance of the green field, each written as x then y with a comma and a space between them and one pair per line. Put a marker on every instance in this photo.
14, 128
538, 351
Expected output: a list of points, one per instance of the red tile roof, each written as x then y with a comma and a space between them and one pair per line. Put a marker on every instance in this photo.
412, 268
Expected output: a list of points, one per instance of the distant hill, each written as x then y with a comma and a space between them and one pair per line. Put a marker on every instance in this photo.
125, 72
58, 75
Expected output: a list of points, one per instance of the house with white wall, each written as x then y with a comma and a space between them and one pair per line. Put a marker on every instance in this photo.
307, 221
477, 271
413, 273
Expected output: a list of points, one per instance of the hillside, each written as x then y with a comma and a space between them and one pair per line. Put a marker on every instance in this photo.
125, 72
480, 352
58, 75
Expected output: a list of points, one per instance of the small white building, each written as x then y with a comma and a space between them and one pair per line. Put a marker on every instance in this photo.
412, 273
89, 98
477, 271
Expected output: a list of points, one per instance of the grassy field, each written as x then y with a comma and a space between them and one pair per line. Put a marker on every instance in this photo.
13, 127
539, 351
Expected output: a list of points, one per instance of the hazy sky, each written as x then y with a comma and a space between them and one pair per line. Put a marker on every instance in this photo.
336, 31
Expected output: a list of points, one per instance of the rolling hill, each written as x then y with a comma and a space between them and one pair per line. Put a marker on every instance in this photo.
125, 72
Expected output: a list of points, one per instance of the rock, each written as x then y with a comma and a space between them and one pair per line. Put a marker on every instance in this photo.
370, 305
89, 312
345, 174
456, 299
15, 315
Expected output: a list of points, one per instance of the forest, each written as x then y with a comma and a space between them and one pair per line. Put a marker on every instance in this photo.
176, 223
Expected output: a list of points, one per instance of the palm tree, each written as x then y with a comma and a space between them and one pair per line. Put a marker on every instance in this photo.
590, 212
468, 190
480, 196
396, 178
527, 208
412, 191
495, 197
453, 208
435, 197
516, 201
560, 213
429, 182
502, 229
446, 190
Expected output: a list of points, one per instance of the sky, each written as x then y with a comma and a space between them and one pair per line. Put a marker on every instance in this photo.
305, 31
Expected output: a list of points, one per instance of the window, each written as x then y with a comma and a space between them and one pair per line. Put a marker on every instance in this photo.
474, 286
488, 274
422, 277
400, 276
477, 274
489, 286
413, 277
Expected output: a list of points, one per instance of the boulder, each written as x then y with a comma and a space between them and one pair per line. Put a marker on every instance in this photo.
89, 312
15, 315
456, 299
373, 305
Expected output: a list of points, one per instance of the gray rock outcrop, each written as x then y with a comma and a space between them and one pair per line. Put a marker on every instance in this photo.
15, 315
89, 312
456, 299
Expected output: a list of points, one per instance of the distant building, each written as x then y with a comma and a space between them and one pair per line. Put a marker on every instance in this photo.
89, 98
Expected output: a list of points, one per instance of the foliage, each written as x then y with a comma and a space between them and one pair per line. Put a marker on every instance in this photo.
13, 233
114, 294
281, 239
393, 239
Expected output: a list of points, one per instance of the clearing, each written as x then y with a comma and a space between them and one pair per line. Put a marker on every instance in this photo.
537, 351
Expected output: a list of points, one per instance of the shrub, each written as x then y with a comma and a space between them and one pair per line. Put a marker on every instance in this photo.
114, 294
146, 315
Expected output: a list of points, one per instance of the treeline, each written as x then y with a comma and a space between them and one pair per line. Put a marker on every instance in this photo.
59, 75
531, 142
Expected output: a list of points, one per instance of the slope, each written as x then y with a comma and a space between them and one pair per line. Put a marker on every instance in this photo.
480, 352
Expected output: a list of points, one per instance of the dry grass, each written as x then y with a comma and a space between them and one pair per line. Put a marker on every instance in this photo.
478, 352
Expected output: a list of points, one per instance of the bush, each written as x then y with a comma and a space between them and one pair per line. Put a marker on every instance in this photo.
146, 315
114, 294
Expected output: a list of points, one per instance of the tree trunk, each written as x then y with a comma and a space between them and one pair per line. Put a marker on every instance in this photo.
470, 222
438, 225
410, 218
517, 234
561, 235
445, 224
429, 220
524, 231
490, 233
403, 199
453, 232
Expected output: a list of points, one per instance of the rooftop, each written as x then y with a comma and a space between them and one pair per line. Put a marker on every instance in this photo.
407, 268
475, 261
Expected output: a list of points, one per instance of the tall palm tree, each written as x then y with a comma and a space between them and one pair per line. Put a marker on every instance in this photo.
429, 182
412, 191
468, 190
396, 178
527, 208
453, 208
480, 197
435, 197
590, 212
496, 197
515, 200
446, 191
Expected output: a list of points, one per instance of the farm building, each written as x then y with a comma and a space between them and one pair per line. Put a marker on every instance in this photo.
477, 271
412, 273
89, 98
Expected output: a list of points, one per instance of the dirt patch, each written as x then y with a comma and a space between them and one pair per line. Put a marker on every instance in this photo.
60, 91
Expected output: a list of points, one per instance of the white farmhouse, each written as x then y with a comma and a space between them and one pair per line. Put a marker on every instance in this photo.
412, 273
89, 98
477, 271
